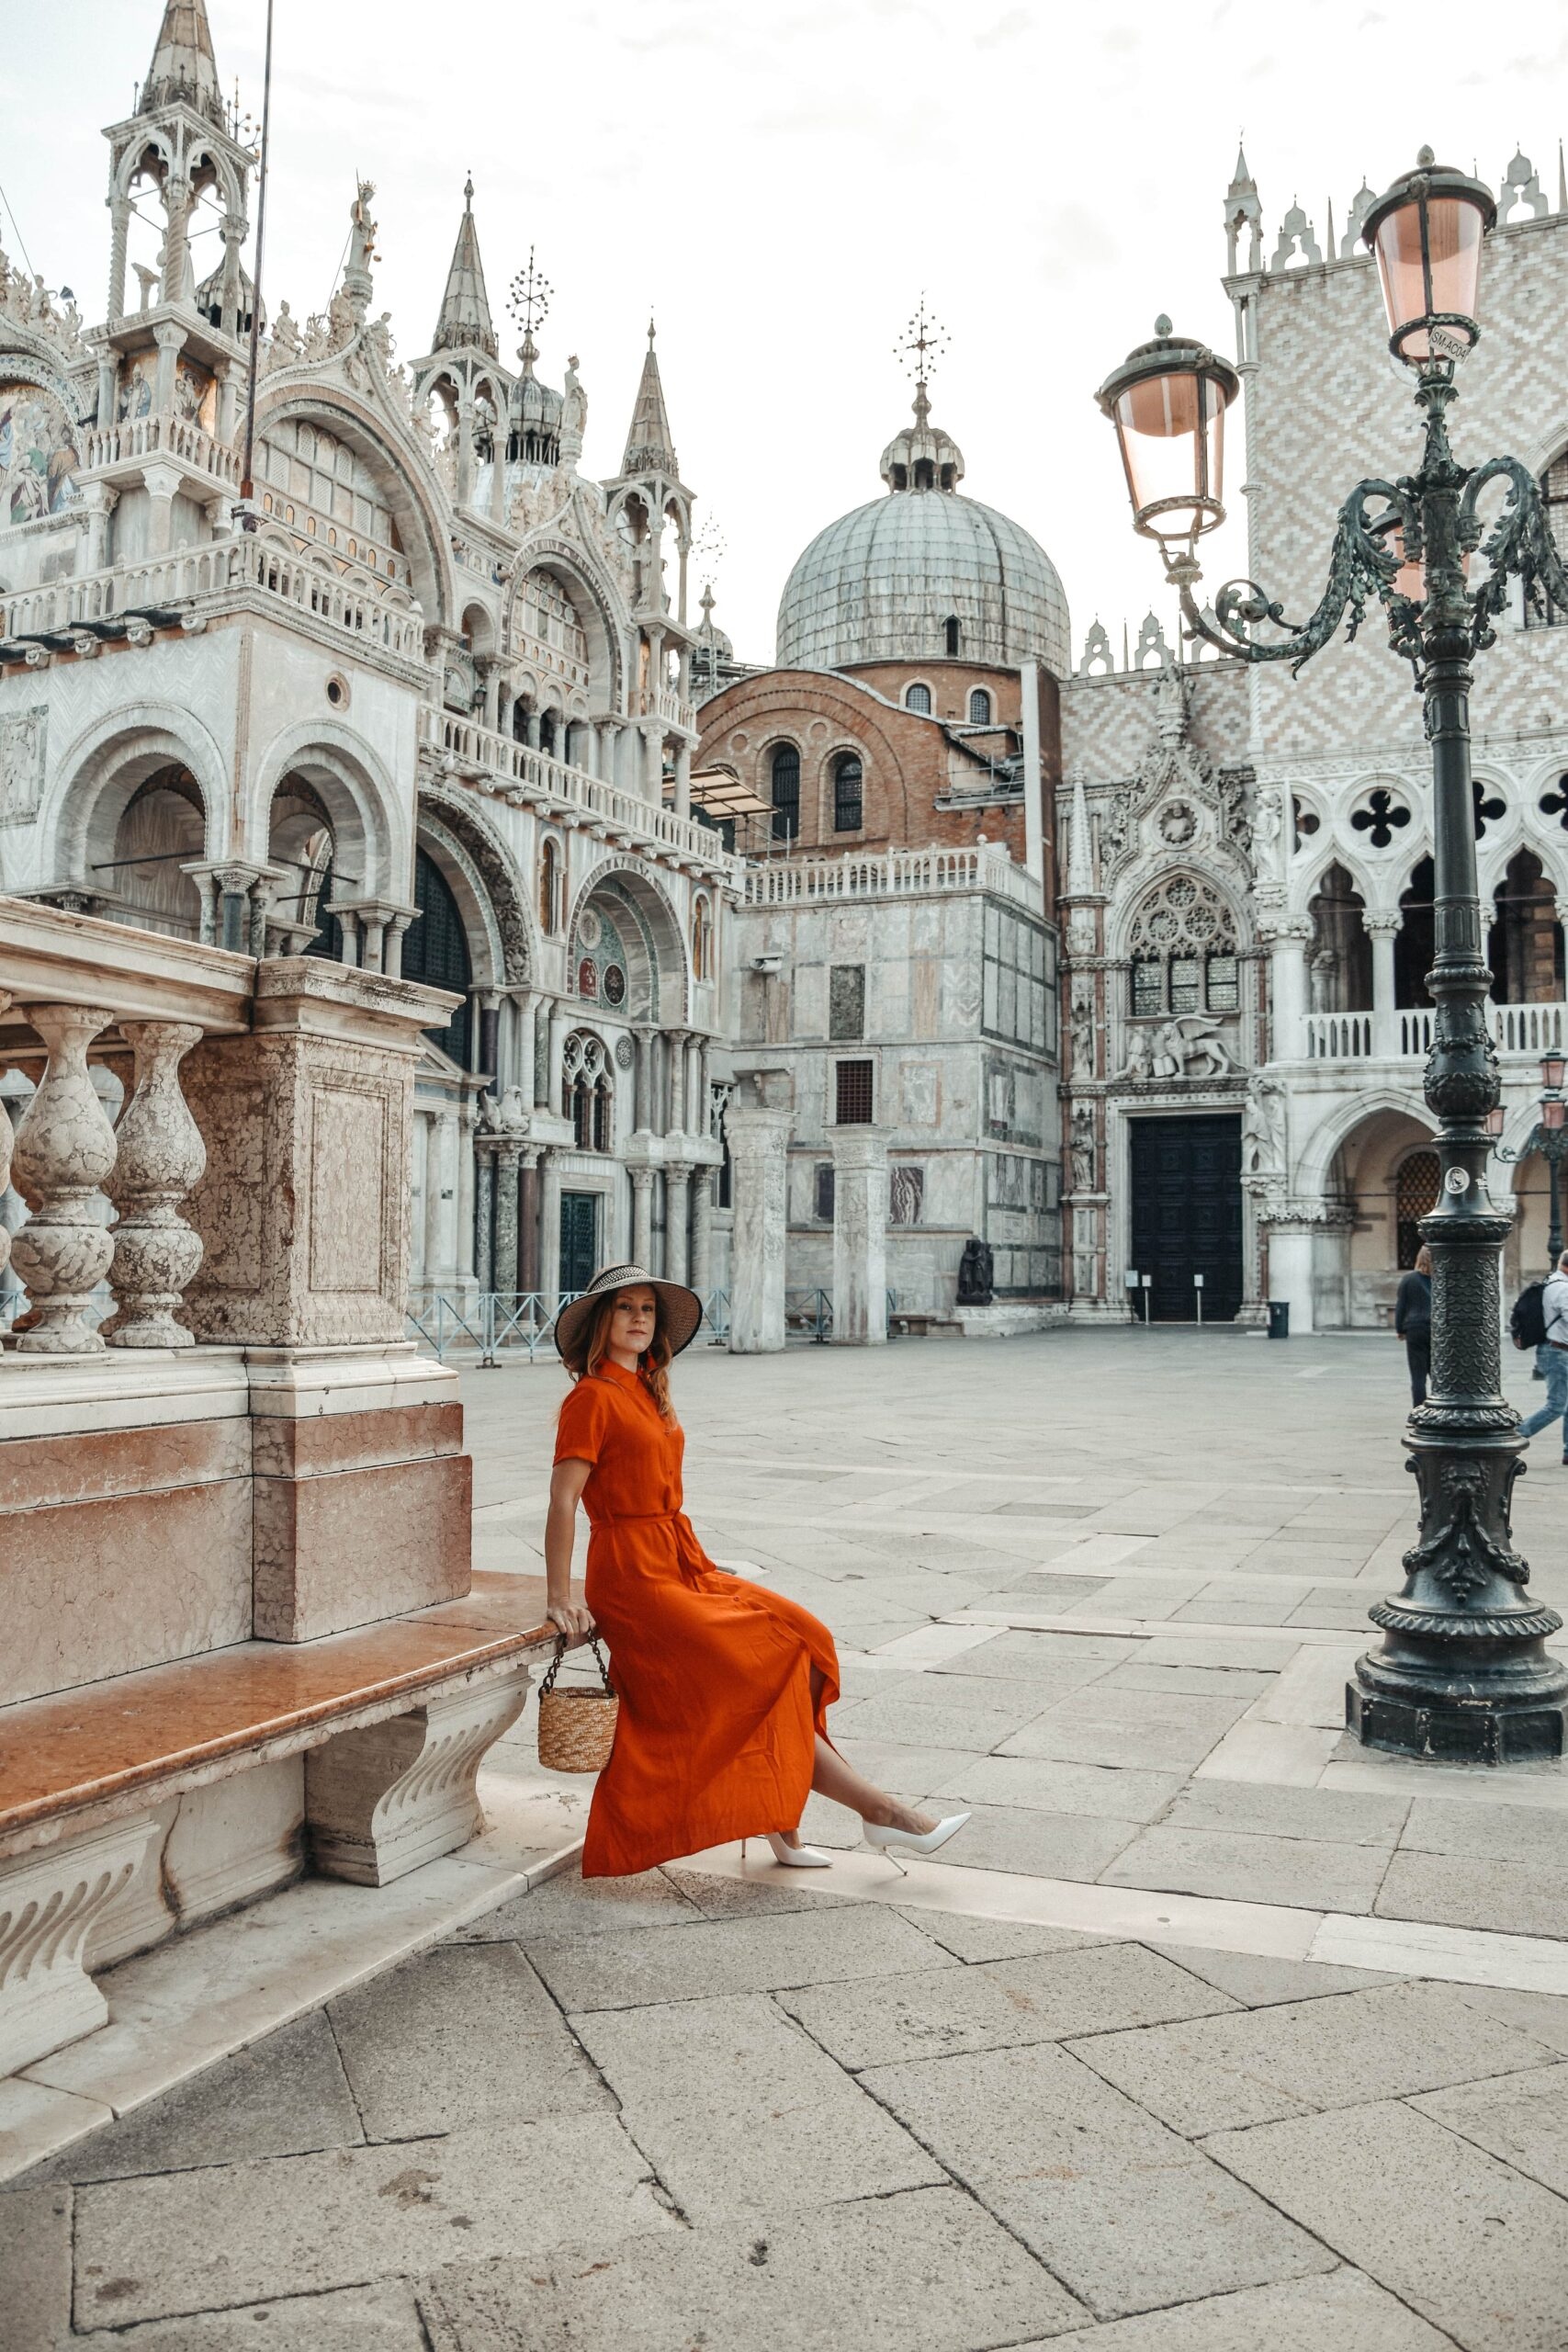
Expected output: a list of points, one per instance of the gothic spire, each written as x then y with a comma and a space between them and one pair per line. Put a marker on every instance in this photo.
183, 64
464, 321
1080, 846
650, 446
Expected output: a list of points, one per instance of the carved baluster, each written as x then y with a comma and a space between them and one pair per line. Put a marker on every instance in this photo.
64, 1151
161, 1156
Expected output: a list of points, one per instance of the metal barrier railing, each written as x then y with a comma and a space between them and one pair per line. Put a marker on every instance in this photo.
507, 1325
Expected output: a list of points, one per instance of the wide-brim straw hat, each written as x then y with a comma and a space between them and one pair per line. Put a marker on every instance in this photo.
683, 1310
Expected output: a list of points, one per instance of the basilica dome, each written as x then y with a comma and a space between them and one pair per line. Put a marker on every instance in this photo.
888, 581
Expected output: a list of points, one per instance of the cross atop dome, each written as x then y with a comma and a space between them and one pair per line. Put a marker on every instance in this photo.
922, 456
920, 346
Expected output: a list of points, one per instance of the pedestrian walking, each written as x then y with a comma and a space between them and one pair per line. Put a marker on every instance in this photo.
724, 1687
1413, 1322
1554, 1313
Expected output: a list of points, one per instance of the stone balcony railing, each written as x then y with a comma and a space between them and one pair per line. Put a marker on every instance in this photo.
179, 438
891, 874
1519, 1031
495, 763
669, 707
203, 582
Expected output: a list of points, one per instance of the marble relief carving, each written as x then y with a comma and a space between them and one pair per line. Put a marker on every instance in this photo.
65, 1152
161, 1157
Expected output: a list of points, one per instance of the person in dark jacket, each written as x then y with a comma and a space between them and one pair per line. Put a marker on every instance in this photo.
1413, 1322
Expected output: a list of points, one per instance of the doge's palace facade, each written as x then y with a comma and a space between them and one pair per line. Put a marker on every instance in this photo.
421, 704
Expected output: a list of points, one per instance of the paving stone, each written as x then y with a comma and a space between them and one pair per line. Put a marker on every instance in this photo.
570, 1906
35, 2268
692, 2058
1036, 1659
1252, 1870
1532, 1834
1000, 2004
463, 2032
885, 1761
925, 1712
712, 1897
1039, 1845
1124, 2212
283, 2096
974, 1938
1229, 1607
733, 2161
1186, 1681
1219, 2073
1332, 1816
383, 2318
1257, 1653
1468, 2243
734, 1956
1523, 2120
1260, 1982
1459, 1891
244, 2233
1343, 2309
1543, 2016
1046, 1786
1140, 1746
929, 2271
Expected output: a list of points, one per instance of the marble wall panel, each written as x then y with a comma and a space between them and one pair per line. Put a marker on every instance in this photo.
358, 1546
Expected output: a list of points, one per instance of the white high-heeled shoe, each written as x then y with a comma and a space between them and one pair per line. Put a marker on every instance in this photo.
893, 1842
794, 1858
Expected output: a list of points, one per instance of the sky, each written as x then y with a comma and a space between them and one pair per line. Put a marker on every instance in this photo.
780, 185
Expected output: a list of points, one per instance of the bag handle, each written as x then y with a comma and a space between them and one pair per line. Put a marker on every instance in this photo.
548, 1685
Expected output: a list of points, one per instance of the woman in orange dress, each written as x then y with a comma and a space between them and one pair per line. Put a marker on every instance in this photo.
724, 1686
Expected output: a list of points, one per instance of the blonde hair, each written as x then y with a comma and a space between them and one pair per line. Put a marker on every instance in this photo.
653, 1364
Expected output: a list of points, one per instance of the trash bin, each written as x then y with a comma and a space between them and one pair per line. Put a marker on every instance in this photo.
1279, 1319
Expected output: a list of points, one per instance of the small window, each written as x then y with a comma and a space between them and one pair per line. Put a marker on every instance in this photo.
979, 707
846, 1001
919, 699
1225, 984
784, 779
822, 1200
702, 940
1148, 986
954, 634
849, 798
1186, 984
853, 1092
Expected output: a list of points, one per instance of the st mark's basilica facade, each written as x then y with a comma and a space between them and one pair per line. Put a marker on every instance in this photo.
1109, 965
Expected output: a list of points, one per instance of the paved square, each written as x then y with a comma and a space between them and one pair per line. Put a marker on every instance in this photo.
1211, 2031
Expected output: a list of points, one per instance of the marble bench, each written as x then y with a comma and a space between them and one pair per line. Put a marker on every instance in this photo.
137, 1806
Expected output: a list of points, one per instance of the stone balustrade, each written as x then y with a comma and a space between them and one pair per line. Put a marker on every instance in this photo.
535, 779
71, 615
160, 436
674, 710
896, 873
1521, 1033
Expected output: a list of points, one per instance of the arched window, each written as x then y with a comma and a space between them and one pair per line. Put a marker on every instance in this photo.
1183, 950
587, 1090
1415, 941
849, 792
784, 775
1525, 948
1414, 1196
954, 634
918, 698
549, 887
1555, 498
702, 939
435, 950
979, 706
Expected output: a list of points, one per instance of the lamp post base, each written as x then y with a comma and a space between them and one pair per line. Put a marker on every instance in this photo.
1475, 1700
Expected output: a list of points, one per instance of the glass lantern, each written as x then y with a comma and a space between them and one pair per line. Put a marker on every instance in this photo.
1427, 233
1168, 402
1553, 1067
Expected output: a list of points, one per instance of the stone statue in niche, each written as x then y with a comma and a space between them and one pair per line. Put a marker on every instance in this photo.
974, 1273
1268, 817
1083, 1029
21, 764
1263, 1127
1137, 1062
1083, 1153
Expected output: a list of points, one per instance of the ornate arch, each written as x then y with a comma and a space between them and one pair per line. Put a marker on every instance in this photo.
669, 964
1188, 912
108, 763
593, 600
1316, 1154
495, 882
359, 796
398, 468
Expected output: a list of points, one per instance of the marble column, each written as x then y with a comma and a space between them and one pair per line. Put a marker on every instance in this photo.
419, 1178
758, 1141
484, 1219
677, 1220
160, 1157
162, 483
701, 1276
860, 1235
7, 1142
528, 1220
1382, 931
543, 1010
644, 1079
683, 780
550, 1226
170, 339
508, 1156
642, 1215
1287, 991
65, 1152
465, 449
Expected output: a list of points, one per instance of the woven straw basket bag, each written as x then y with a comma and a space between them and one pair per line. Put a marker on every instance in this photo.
577, 1728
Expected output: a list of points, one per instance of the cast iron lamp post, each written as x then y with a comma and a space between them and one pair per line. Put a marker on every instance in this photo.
1548, 1137
1463, 1672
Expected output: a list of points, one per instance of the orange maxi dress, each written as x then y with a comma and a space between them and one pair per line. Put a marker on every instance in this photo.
715, 1737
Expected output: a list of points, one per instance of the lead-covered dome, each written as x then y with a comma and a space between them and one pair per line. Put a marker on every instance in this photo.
885, 583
